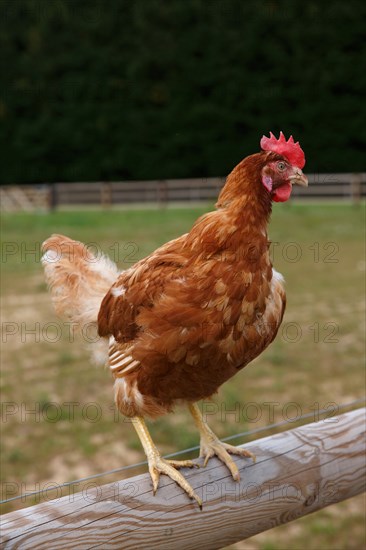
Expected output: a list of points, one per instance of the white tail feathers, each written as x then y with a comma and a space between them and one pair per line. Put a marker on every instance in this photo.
78, 280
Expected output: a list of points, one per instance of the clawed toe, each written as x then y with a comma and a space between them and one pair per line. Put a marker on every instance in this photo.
239, 451
183, 463
159, 465
216, 447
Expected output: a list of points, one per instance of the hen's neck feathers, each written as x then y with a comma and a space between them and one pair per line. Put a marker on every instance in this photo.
243, 211
244, 192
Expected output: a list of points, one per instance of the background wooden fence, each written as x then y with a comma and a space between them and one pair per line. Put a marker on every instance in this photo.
297, 472
351, 186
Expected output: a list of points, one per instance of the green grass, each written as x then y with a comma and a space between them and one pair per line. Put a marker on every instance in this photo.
316, 359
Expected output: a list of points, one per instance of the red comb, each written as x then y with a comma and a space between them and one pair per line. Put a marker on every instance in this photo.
289, 149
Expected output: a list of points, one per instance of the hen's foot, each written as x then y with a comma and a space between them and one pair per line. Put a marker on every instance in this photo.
212, 446
159, 465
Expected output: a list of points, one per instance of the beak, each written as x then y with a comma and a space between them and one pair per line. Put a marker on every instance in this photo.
299, 178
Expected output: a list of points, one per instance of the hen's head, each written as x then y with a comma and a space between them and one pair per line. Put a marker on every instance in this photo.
266, 176
282, 169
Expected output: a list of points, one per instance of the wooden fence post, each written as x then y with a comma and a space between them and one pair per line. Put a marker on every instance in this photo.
162, 193
356, 188
52, 197
297, 472
106, 194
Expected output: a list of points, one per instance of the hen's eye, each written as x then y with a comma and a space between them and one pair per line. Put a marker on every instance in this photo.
281, 166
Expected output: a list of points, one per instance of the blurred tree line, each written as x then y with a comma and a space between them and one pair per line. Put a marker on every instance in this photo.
147, 89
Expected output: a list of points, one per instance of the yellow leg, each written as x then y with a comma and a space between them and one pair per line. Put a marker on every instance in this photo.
159, 465
211, 445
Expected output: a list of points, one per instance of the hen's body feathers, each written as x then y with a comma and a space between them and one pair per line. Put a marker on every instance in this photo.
186, 318
182, 321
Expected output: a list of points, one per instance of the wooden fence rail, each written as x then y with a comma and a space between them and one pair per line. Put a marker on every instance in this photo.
351, 186
297, 472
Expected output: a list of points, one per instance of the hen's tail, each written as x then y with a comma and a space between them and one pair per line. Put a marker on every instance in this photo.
78, 280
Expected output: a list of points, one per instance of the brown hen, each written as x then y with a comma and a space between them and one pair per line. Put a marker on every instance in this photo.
182, 321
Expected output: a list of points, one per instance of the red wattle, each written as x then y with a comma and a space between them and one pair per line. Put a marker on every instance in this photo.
282, 193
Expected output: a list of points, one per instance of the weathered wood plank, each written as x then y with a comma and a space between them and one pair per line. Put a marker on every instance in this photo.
297, 472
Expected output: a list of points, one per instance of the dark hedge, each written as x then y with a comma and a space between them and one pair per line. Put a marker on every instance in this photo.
146, 89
